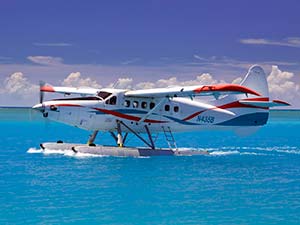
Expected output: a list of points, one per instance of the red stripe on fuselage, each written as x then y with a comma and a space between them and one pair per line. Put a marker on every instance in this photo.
68, 105
128, 117
235, 104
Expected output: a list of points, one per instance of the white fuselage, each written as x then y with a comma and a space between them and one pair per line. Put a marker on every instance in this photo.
177, 114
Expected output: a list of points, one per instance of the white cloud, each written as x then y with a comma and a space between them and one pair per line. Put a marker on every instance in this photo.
17, 90
199, 57
237, 80
58, 44
18, 84
289, 42
282, 85
203, 79
75, 80
130, 61
122, 83
46, 60
145, 85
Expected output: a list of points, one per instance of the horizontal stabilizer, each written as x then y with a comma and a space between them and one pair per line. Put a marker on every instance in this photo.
266, 104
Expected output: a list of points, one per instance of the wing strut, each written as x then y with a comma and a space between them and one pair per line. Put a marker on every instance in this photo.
152, 110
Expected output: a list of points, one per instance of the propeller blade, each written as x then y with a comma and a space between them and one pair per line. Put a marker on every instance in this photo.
42, 83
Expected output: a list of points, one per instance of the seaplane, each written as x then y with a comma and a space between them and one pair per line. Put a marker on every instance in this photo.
143, 113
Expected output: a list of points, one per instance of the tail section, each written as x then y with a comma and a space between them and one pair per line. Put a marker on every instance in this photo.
251, 111
257, 81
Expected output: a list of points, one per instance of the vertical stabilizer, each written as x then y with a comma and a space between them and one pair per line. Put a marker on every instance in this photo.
256, 80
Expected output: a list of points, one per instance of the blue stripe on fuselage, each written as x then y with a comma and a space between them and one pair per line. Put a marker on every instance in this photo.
181, 121
253, 119
124, 111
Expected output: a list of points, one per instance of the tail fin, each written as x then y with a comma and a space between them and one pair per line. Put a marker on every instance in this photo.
257, 81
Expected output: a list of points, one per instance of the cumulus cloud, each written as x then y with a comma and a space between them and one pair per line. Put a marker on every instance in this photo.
203, 79
289, 42
122, 83
46, 60
282, 85
237, 80
17, 83
75, 80
18, 90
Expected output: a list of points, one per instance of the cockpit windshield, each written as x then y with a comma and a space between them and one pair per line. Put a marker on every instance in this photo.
103, 94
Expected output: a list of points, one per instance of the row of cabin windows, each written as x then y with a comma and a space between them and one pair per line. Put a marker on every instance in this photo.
175, 108
135, 104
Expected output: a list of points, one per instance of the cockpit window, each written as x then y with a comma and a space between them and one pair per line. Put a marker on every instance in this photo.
112, 100
103, 94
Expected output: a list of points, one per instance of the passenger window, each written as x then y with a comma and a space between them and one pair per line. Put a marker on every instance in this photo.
127, 103
167, 107
135, 104
176, 109
152, 105
112, 100
144, 105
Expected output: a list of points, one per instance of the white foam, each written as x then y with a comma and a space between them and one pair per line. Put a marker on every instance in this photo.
252, 153
68, 153
224, 153
297, 152
86, 155
54, 151
34, 150
280, 149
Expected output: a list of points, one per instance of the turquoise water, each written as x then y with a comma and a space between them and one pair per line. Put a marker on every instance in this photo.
252, 180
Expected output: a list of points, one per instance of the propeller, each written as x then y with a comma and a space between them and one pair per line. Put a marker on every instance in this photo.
41, 106
42, 83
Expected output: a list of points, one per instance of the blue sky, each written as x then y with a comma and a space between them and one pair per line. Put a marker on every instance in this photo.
168, 38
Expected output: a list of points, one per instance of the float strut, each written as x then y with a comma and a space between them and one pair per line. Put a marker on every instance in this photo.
119, 135
151, 145
116, 138
150, 137
92, 137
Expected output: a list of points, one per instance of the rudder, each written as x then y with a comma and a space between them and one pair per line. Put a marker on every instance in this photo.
256, 80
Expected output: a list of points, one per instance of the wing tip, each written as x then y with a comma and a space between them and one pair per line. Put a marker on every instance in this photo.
47, 88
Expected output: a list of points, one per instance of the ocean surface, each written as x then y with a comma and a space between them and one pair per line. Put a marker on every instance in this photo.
249, 180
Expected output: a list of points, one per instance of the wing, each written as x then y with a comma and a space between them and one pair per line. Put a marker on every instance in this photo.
206, 90
69, 90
